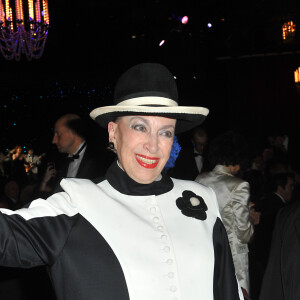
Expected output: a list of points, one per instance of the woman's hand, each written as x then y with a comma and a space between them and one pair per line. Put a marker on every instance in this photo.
254, 215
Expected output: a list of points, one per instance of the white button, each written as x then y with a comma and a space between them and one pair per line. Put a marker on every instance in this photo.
155, 220
169, 261
167, 249
173, 288
164, 237
160, 228
153, 209
171, 275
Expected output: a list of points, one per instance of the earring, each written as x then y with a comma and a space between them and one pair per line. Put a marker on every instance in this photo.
111, 147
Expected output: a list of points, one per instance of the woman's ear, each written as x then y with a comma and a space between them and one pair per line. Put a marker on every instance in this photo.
111, 128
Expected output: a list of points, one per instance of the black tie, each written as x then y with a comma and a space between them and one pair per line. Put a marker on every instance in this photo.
76, 156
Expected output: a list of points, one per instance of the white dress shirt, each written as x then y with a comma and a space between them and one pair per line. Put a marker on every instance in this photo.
74, 165
198, 160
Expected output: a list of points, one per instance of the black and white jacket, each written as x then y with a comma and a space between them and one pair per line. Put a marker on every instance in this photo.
118, 239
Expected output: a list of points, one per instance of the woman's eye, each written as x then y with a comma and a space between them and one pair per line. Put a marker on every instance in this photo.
139, 127
167, 133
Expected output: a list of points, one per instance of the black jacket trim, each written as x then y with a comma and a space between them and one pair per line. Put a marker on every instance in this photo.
125, 185
225, 283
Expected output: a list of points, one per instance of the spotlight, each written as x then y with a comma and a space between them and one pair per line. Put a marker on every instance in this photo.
184, 20
161, 43
209, 25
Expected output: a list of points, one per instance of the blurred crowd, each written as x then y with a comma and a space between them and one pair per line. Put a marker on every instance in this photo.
252, 180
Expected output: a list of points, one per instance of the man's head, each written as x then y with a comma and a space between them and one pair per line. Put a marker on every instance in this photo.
199, 139
277, 138
283, 184
68, 133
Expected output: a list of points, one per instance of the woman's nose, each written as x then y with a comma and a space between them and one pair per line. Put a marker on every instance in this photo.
152, 143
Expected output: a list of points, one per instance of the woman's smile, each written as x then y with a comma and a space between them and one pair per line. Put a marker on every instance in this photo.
147, 162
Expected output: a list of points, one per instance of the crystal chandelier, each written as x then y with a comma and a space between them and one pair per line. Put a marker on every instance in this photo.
23, 28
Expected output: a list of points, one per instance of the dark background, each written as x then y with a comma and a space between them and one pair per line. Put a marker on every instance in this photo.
239, 68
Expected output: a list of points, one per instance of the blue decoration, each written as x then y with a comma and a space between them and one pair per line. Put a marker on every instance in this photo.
173, 155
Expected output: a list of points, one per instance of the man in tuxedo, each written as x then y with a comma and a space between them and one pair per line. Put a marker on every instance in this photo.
83, 160
283, 270
69, 138
282, 186
190, 160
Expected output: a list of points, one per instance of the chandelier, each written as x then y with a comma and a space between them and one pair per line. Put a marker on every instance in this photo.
297, 79
23, 28
288, 31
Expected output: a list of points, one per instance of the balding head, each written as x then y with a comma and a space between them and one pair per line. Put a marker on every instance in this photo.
68, 133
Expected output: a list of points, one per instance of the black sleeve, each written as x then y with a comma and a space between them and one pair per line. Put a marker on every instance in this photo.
225, 282
35, 236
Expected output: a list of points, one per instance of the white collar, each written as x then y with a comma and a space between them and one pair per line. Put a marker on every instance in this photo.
282, 199
78, 149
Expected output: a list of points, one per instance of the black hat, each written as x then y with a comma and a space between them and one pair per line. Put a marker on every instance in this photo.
149, 89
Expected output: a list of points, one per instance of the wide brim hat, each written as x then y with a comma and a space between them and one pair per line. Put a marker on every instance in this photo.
149, 89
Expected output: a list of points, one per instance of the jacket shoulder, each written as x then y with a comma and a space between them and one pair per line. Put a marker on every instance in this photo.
184, 184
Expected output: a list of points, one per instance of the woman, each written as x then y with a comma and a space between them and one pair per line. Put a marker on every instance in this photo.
136, 234
17, 163
226, 154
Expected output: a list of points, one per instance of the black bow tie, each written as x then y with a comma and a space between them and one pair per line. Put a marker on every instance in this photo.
76, 156
73, 157
197, 154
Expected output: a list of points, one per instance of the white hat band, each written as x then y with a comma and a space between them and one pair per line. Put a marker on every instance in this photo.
152, 101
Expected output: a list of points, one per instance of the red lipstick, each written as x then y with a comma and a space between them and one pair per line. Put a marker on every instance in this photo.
150, 164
